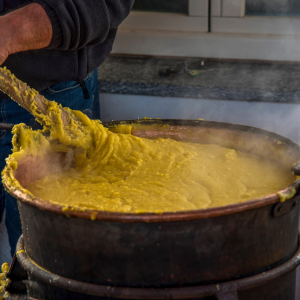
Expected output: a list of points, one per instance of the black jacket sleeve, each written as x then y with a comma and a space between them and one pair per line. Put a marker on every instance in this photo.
78, 23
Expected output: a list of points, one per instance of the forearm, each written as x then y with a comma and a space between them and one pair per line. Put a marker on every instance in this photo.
27, 28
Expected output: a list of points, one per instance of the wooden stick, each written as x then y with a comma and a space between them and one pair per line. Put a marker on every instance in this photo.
26, 96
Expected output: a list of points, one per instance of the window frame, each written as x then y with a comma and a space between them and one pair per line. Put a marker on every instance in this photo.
231, 37
195, 21
238, 22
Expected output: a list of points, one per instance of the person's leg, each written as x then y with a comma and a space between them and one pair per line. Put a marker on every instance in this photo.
96, 97
12, 222
4, 152
11, 112
69, 94
2, 205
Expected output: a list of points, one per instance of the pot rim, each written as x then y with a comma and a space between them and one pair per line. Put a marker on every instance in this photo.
167, 216
153, 217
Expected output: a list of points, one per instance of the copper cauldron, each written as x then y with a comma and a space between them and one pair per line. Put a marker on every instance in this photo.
182, 249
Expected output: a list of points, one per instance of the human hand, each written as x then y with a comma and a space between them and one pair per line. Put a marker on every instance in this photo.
4, 40
3, 56
27, 28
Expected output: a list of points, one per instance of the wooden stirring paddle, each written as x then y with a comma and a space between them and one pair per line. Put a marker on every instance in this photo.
26, 97
64, 127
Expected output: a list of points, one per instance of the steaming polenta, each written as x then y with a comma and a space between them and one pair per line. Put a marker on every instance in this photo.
123, 173
130, 174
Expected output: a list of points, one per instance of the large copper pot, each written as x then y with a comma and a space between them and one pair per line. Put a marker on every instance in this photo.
172, 249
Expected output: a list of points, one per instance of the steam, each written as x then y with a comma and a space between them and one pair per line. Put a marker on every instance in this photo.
260, 94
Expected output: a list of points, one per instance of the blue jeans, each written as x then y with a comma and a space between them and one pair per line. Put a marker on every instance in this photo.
68, 93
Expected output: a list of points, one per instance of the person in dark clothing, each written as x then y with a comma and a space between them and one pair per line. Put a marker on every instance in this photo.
55, 46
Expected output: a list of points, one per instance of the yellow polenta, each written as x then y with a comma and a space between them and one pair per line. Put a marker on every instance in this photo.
124, 173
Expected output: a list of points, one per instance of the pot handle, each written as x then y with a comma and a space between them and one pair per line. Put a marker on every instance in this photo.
296, 168
6, 126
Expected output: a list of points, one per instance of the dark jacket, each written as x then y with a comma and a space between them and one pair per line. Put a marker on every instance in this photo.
83, 35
